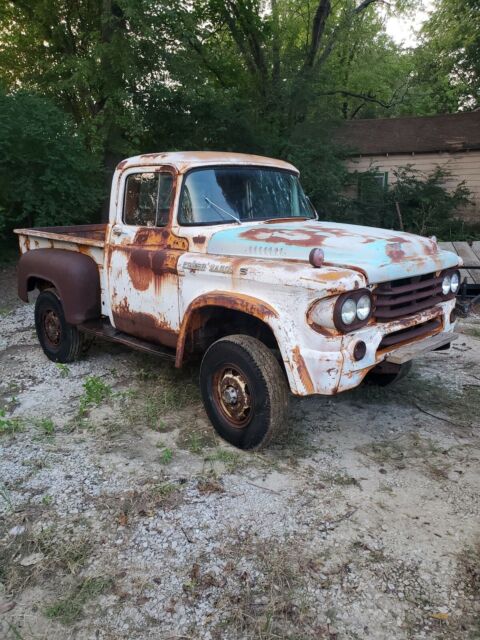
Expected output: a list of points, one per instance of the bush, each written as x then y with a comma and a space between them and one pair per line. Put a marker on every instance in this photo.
415, 202
47, 176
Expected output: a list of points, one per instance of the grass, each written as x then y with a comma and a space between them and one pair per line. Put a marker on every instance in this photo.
46, 426
264, 597
5, 497
9, 425
69, 609
231, 459
161, 495
62, 555
166, 456
161, 391
164, 489
95, 391
340, 479
196, 439
63, 368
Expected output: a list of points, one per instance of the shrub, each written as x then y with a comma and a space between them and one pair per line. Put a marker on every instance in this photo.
414, 202
47, 176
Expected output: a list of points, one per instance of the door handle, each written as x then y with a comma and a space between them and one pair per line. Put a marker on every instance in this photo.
117, 231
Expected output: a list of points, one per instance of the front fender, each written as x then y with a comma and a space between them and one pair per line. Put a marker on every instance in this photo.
228, 300
74, 275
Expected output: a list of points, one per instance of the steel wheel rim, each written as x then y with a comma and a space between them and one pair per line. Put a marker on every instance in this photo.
52, 327
232, 395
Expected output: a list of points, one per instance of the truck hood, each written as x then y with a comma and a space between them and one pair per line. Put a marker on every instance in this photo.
381, 255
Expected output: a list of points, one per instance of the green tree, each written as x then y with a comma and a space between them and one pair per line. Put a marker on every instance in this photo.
90, 57
447, 64
47, 176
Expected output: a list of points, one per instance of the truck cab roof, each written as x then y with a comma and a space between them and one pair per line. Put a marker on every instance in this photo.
182, 161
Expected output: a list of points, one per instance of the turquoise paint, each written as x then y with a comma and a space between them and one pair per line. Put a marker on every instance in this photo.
381, 253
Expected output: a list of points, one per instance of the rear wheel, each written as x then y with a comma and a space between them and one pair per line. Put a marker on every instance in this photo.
387, 373
244, 391
60, 341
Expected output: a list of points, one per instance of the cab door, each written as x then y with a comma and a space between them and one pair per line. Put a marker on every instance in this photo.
142, 261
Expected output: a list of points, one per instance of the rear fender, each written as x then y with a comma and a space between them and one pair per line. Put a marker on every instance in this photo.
74, 275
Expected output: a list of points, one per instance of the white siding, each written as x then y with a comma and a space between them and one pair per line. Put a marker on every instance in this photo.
463, 166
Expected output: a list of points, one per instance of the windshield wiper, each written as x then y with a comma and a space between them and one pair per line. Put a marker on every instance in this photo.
283, 218
217, 206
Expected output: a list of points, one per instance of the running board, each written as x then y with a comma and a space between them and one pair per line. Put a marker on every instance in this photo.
104, 330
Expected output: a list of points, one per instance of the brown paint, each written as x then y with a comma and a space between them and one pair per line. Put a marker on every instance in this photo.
302, 370
143, 325
74, 276
199, 239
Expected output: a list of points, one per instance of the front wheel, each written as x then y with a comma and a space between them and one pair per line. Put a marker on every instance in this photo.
60, 341
244, 391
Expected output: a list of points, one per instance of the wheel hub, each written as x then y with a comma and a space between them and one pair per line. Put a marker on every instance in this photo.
52, 327
233, 396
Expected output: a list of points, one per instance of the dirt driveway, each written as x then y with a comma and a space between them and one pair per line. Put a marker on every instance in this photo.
122, 516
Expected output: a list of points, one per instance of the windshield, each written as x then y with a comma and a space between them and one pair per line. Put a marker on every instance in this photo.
240, 194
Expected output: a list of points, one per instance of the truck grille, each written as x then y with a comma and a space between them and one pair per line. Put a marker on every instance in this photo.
404, 297
411, 333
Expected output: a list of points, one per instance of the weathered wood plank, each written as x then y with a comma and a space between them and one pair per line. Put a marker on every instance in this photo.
476, 248
470, 259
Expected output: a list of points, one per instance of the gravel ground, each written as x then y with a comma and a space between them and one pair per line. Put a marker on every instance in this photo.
122, 516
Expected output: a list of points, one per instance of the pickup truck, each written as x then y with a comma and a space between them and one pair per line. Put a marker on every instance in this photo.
221, 255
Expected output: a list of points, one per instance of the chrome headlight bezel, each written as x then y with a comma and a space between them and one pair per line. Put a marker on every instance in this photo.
446, 282
357, 322
448, 287
458, 280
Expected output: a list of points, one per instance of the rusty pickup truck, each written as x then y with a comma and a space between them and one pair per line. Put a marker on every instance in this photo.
221, 255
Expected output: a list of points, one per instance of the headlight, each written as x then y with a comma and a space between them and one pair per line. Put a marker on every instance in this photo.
364, 306
454, 282
446, 284
348, 311
352, 310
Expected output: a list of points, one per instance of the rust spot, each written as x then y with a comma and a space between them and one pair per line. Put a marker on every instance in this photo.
395, 252
143, 325
163, 237
299, 363
199, 239
296, 237
140, 268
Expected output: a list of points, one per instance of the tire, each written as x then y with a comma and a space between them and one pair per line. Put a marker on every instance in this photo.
387, 373
244, 391
60, 341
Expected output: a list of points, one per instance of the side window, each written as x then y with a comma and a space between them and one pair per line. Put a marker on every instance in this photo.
141, 194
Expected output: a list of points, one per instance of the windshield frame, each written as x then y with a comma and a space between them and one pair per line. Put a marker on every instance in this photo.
209, 223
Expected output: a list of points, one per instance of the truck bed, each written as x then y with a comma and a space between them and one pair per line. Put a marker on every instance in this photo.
84, 234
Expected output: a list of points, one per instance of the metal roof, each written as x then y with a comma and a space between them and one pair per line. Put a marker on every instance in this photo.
185, 160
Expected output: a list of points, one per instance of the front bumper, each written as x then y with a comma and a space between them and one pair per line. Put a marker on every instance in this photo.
328, 372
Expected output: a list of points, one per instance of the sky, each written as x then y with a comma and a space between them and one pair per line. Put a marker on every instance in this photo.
402, 30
